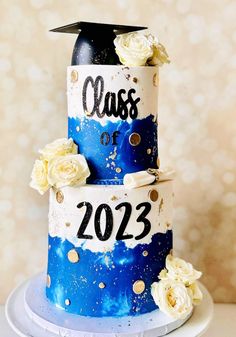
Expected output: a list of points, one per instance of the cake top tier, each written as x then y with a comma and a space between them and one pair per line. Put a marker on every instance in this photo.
94, 44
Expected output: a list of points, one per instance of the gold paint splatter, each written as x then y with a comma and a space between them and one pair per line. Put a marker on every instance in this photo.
48, 281
87, 113
59, 197
118, 170
158, 162
161, 205
102, 285
145, 253
68, 224
135, 80
73, 256
168, 225
153, 195
74, 76
114, 198
67, 302
149, 151
138, 287
155, 80
134, 139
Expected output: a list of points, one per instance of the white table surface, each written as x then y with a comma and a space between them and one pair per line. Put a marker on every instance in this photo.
223, 324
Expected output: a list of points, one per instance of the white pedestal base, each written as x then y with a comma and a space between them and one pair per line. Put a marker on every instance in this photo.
29, 313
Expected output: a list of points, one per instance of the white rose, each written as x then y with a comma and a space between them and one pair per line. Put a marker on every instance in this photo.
68, 170
60, 147
172, 298
133, 49
159, 54
195, 293
39, 177
180, 270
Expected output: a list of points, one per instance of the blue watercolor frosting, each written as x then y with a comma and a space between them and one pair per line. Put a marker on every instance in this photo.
75, 286
109, 163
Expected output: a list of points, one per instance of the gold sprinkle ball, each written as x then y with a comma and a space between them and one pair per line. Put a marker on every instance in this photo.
155, 80
149, 151
145, 253
48, 281
118, 170
134, 139
135, 80
138, 287
74, 76
73, 256
153, 195
59, 197
67, 302
102, 285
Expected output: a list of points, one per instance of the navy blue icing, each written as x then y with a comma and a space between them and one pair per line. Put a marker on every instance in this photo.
118, 270
102, 159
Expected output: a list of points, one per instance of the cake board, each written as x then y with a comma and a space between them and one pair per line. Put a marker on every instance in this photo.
29, 313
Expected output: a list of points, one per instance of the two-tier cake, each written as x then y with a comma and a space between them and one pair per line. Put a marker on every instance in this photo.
110, 214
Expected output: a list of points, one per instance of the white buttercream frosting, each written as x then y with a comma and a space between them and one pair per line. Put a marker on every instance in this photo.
115, 78
60, 214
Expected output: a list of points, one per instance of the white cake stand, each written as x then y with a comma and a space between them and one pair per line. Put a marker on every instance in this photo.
30, 314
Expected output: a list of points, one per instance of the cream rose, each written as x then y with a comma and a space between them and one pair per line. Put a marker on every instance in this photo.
60, 147
159, 53
68, 170
180, 270
172, 298
195, 293
133, 49
39, 177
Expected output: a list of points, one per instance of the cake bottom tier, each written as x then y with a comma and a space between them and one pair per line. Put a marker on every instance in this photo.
103, 264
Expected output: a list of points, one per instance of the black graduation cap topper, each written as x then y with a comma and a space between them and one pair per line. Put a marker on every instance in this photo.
94, 44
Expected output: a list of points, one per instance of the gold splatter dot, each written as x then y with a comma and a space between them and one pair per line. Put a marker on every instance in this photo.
161, 205
135, 80
138, 287
48, 281
102, 285
153, 195
118, 170
114, 198
67, 302
145, 253
59, 197
155, 80
77, 128
134, 139
68, 224
73, 256
149, 151
158, 162
74, 76
168, 225
88, 113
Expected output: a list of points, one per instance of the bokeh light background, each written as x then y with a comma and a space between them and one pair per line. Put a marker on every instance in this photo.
197, 128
